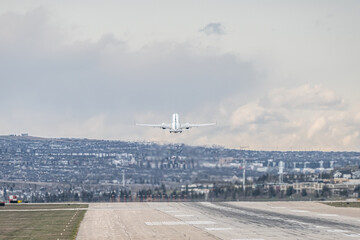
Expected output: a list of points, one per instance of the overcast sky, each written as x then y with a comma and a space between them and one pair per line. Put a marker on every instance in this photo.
274, 75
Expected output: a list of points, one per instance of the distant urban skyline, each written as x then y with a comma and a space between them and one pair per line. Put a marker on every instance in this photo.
274, 75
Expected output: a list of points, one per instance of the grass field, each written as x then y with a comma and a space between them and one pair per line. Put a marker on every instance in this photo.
343, 204
38, 224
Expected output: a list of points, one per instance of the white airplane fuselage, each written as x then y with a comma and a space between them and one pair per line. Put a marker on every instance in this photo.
175, 124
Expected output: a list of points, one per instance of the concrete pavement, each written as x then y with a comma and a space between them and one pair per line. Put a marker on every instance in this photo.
230, 220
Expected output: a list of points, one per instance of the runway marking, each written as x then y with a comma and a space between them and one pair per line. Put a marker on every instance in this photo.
200, 222
299, 211
218, 229
351, 234
184, 215
328, 215
247, 239
321, 227
164, 223
276, 208
275, 218
179, 223
337, 231
173, 211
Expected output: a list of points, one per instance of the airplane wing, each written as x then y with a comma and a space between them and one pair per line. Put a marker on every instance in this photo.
163, 125
189, 125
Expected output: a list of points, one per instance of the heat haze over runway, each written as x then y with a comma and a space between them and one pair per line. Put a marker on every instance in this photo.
231, 220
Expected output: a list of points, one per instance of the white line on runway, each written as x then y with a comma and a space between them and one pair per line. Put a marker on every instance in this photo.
164, 223
337, 231
352, 234
179, 223
248, 239
298, 211
184, 215
321, 227
200, 222
328, 215
218, 229
278, 207
173, 211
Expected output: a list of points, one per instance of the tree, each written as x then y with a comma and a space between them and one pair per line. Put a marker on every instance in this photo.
163, 188
317, 194
263, 178
272, 192
303, 193
344, 193
233, 195
76, 197
326, 191
289, 191
256, 192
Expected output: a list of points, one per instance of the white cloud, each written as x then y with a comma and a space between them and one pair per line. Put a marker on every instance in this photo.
316, 126
213, 29
304, 97
351, 139
308, 117
357, 118
253, 113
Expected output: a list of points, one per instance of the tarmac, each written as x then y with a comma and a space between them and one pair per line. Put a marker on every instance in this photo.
219, 220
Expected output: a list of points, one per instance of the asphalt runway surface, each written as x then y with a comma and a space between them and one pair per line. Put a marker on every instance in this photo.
222, 220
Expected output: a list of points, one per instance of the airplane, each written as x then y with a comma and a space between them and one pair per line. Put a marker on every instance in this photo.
175, 126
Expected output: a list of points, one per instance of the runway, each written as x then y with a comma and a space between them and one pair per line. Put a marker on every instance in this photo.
230, 221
